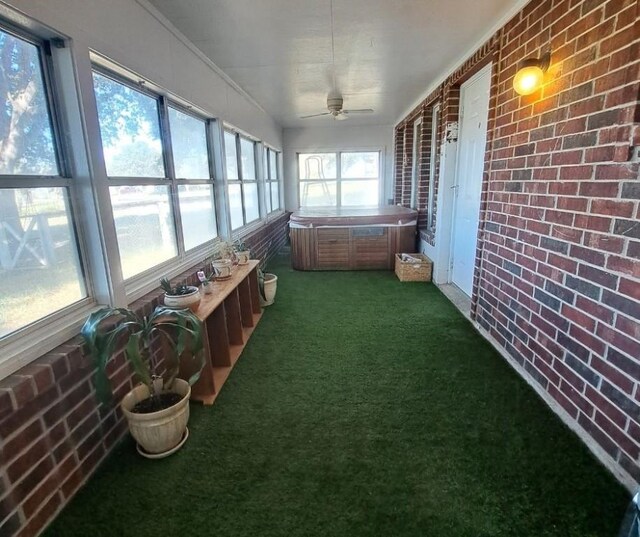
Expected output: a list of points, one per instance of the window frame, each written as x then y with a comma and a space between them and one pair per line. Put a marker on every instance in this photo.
77, 145
339, 179
268, 180
23, 345
241, 181
210, 181
143, 282
433, 158
416, 154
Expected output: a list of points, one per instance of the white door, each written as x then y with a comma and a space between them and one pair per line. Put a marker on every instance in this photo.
472, 140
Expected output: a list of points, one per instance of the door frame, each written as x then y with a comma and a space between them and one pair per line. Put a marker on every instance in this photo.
488, 68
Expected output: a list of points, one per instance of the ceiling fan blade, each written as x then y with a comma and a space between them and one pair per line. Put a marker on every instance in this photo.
358, 111
315, 115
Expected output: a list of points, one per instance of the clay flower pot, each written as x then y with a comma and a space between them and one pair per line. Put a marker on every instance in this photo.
181, 302
160, 433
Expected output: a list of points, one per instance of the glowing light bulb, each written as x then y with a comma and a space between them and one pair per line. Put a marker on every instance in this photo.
528, 79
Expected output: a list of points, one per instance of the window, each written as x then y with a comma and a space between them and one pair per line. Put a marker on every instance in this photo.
191, 163
41, 272
415, 161
433, 159
240, 161
272, 179
162, 200
348, 178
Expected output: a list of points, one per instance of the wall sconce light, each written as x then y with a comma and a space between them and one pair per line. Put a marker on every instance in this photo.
530, 75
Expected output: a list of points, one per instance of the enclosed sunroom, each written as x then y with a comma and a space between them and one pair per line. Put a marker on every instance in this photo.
445, 195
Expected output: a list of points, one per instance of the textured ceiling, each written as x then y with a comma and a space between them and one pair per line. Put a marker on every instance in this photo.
290, 54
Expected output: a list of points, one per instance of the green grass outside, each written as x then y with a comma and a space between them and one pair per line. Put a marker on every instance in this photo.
361, 406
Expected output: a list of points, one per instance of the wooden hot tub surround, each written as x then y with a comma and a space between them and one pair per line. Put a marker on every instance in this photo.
351, 238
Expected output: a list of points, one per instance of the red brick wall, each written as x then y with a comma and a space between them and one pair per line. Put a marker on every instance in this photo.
54, 434
557, 281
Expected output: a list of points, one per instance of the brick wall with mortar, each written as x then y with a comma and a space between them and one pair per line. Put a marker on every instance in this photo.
404, 166
557, 279
53, 432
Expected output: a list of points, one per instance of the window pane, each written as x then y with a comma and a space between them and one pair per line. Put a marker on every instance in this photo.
273, 164
130, 130
359, 165
265, 163
251, 208
230, 155
275, 196
359, 193
318, 194
247, 154
235, 206
26, 138
189, 146
39, 268
267, 195
317, 165
197, 213
144, 226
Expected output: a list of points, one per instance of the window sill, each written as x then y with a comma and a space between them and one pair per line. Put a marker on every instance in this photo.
143, 284
26, 345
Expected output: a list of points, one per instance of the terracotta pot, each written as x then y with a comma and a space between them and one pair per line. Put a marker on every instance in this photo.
182, 302
158, 432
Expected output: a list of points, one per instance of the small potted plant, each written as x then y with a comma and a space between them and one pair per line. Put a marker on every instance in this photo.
268, 284
157, 410
242, 252
205, 280
180, 296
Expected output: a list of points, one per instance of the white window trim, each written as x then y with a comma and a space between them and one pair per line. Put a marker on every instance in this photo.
144, 282
338, 179
415, 169
24, 345
267, 178
433, 157
259, 174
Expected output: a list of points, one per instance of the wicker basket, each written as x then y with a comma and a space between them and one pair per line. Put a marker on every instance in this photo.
408, 271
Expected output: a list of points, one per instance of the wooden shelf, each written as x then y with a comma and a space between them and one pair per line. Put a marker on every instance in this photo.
229, 315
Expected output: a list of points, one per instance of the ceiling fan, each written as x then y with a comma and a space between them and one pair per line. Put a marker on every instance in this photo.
334, 104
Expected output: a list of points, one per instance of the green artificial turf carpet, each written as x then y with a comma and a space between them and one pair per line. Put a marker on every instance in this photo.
360, 406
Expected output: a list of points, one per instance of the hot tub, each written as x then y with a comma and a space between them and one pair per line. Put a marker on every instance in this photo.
351, 238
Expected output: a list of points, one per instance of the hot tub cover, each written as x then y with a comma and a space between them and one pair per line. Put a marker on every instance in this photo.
390, 215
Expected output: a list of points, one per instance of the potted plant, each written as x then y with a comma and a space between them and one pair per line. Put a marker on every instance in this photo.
268, 284
157, 410
223, 261
241, 251
180, 296
205, 280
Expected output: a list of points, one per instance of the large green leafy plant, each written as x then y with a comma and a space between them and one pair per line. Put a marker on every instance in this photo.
109, 328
